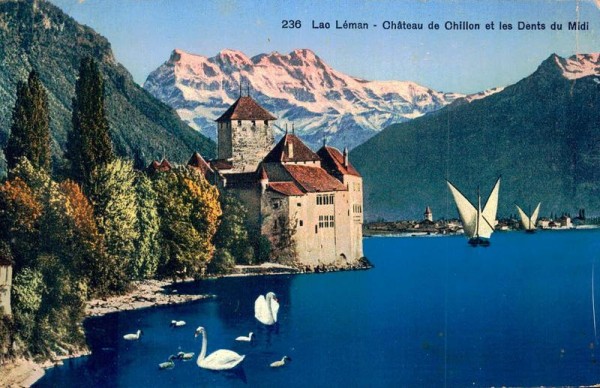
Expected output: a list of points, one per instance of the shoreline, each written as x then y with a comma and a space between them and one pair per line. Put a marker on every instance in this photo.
144, 294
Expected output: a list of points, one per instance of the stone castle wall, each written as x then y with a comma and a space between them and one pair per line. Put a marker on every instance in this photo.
251, 141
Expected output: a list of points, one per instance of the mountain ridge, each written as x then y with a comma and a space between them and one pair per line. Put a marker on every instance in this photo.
35, 34
298, 87
541, 134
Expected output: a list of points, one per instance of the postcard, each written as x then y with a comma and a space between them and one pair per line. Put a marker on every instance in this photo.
361, 193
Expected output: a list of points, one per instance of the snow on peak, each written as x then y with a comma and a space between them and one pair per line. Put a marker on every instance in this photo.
298, 86
579, 65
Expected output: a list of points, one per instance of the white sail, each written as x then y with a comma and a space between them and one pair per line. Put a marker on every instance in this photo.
477, 222
529, 222
466, 211
487, 219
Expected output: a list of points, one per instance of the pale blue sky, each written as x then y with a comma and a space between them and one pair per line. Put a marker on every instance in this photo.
144, 32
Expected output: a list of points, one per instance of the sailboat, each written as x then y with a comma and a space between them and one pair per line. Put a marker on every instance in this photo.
529, 222
478, 224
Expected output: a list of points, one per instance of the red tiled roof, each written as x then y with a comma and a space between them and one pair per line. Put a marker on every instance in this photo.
221, 164
301, 153
313, 179
197, 161
286, 188
160, 166
245, 108
333, 161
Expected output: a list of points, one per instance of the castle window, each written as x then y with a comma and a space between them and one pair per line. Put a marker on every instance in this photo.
239, 123
316, 228
253, 123
321, 222
298, 204
331, 224
266, 122
275, 204
301, 223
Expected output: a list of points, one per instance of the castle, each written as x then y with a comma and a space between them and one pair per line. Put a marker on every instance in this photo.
308, 204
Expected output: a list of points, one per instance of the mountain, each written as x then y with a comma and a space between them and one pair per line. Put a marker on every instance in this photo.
541, 134
35, 34
298, 88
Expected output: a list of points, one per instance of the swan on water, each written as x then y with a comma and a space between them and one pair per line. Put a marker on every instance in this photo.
185, 356
177, 323
167, 364
266, 309
133, 337
221, 359
281, 362
244, 338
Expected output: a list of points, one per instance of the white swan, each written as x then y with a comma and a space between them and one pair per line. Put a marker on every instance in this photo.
185, 356
177, 323
133, 337
281, 362
221, 359
266, 309
167, 364
244, 338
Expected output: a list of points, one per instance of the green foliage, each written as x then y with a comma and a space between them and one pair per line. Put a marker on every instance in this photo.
30, 130
222, 262
263, 249
188, 207
147, 246
113, 197
232, 234
27, 290
89, 146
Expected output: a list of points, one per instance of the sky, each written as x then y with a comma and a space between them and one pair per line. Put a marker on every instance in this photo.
143, 34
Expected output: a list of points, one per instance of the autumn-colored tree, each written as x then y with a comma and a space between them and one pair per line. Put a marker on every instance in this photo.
88, 255
189, 210
20, 212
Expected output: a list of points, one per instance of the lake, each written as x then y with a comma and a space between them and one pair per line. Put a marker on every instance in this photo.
433, 312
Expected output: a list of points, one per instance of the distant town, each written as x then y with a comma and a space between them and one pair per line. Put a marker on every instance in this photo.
427, 226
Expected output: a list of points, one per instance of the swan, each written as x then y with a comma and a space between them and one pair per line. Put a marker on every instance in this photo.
266, 308
133, 337
221, 359
167, 364
185, 356
177, 323
281, 362
244, 338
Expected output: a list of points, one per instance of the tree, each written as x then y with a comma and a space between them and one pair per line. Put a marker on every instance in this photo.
30, 130
147, 246
232, 234
189, 211
113, 197
88, 144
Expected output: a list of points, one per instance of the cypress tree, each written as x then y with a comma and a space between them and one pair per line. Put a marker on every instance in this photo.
88, 144
30, 130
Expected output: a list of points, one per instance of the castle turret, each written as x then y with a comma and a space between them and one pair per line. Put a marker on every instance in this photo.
244, 134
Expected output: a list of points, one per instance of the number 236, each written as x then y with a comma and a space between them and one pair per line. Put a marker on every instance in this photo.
291, 24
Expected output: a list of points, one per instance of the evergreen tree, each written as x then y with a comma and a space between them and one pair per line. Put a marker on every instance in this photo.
30, 130
147, 252
88, 144
232, 234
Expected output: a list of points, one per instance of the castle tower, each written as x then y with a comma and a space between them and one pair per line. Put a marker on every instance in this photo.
428, 214
244, 134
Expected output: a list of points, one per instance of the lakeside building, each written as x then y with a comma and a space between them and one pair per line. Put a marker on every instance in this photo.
308, 204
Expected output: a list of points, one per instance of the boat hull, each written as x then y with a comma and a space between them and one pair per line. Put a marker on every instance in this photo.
479, 242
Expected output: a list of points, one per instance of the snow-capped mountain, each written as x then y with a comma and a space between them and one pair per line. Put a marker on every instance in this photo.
298, 88
579, 66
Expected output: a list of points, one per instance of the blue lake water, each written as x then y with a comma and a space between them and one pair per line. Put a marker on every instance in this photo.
433, 312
